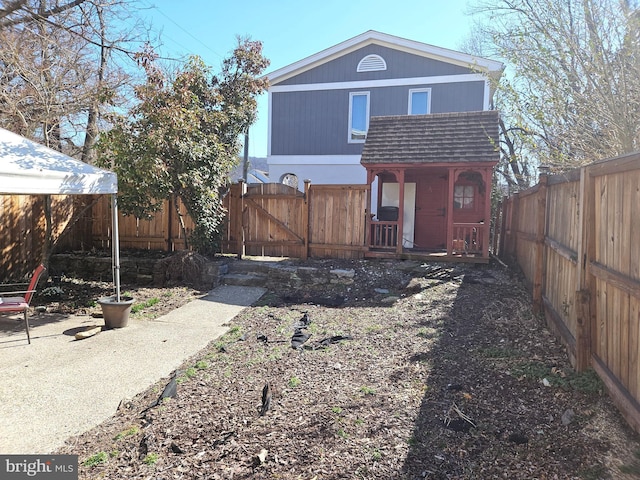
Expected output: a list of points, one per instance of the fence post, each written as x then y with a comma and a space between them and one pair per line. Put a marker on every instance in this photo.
167, 224
538, 275
240, 233
514, 214
500, 244
449, 211
585, 294
367, 211
305, 219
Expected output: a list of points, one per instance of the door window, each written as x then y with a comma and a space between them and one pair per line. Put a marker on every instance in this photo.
463, 196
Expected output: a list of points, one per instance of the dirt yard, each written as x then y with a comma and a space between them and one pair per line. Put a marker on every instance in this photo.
412, 371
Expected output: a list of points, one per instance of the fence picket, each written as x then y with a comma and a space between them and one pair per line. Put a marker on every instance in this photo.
591, 286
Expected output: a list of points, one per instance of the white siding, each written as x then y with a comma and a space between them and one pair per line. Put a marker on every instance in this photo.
320, 169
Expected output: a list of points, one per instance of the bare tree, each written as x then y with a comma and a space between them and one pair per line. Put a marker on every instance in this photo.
59, 74
571, 93
19, 12
516, 166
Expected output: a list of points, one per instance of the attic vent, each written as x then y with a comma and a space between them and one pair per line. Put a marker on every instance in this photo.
372, 63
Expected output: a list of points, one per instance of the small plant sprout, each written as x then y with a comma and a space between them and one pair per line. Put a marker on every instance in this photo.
202, 365
52, 293
127, 433
367, 390
151, 459
138, 307
294, 382
96, 459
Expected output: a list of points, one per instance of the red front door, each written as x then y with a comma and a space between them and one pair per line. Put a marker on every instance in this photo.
431, 213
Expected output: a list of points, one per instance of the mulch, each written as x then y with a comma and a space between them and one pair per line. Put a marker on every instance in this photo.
413, 371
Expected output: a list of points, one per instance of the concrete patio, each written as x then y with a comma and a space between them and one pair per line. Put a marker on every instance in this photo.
59, 387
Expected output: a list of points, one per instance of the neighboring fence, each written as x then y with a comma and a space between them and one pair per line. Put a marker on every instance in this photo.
273, 219
162, 232
79, 222
23, 227
576, 238
263, 219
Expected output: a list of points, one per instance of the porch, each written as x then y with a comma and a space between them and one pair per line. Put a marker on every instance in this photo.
429, 211
431, 176
468, 244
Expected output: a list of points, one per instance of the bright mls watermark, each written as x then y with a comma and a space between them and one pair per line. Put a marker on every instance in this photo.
50, 467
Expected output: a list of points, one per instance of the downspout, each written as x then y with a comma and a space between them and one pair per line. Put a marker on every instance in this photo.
400, 240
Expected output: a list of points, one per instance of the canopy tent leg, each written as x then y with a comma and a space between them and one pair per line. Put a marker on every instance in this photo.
115, 245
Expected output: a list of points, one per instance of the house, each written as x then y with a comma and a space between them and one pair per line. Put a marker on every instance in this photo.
412, 120
320, 107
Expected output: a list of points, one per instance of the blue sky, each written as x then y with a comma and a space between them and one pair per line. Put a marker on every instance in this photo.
294, 29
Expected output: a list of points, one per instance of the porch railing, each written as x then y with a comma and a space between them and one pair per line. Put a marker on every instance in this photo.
383, 234
468, 238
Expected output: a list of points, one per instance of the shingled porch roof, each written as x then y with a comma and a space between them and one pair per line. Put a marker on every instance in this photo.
460, 137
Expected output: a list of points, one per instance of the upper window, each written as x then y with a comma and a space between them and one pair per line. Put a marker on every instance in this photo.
419, 101
372, 63
358, 116
463, 196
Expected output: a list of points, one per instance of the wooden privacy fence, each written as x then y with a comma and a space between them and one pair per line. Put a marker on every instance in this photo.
79, 222
272, 219
23, 229
576, 238
162, 232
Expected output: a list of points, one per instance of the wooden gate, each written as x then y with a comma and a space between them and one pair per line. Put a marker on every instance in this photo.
273, 220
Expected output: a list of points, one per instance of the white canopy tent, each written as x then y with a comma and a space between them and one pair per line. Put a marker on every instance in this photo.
29, 168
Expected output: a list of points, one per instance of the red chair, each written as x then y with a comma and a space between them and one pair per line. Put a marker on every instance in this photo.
18, 301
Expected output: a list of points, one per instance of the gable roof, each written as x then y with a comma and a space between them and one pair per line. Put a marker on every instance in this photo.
459, 137
485, 65
29, 168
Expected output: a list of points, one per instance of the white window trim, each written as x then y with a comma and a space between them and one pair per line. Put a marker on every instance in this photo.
386, 82
351, 95
418, 90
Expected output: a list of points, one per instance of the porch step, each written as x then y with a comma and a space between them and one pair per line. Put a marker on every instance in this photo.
251, 273
278, 273
250, 279
250, 267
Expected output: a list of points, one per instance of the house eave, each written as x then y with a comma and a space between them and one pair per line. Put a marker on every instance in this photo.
484, 65
440, 165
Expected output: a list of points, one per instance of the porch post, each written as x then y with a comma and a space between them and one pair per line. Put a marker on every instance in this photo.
449, 211
400, 177
367, 217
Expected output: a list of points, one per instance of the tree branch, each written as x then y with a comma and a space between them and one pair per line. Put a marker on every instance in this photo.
30, 15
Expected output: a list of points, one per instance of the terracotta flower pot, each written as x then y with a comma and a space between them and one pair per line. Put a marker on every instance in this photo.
116, 314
